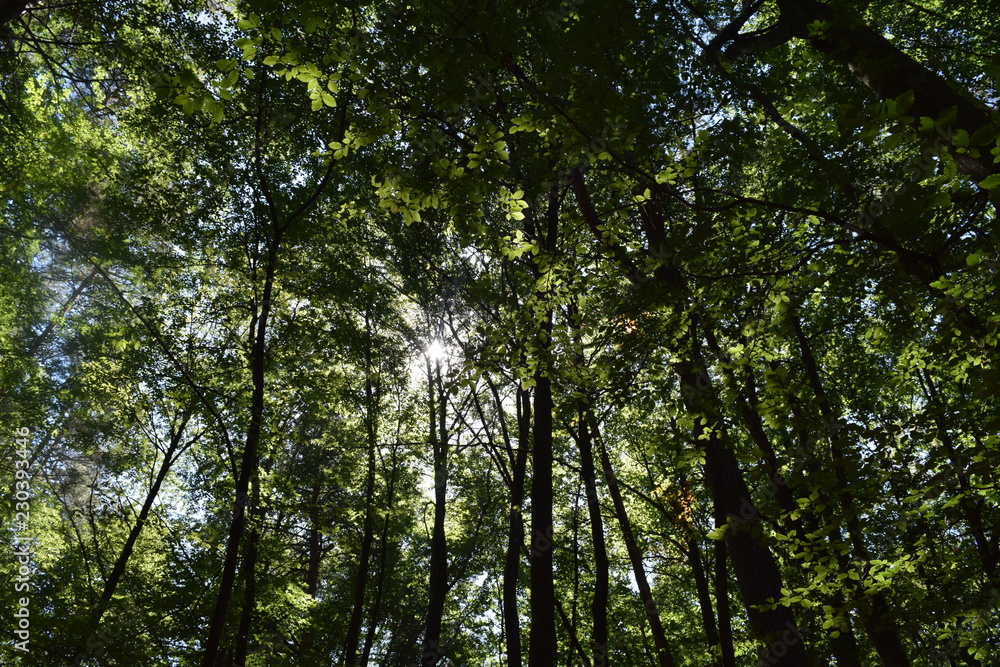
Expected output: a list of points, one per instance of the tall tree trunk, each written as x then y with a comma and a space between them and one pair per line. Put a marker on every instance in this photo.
249, 571
315, 544
118, 570
364, 560
438, 588
973, 505
541, 641
314, 557
722, 600
368, 529
249, 463
515, 532
664, 658
844, 647
877, 615
704, 593
757, 573
599, 606
383, 565
574, 641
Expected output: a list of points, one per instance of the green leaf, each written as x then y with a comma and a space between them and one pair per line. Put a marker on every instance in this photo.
990, 182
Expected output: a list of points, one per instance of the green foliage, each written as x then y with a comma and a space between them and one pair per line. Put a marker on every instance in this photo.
750, 247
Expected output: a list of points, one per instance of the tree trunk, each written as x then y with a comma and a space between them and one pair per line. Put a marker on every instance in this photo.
248, 466
515, 533
249, 571
315, 551
664, 658
877, 617
10, 11
844, 647
541, 641
881, 66
757, 573
599, 606
973, 504
364, 560
383, 566
118, 570
368, 529
704, 593
438, 587
722, 601
314, 558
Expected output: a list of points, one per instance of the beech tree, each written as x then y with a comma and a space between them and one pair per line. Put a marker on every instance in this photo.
501, 334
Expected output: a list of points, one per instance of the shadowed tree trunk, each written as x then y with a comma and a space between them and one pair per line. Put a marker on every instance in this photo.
383, 564
722, 600
118, 570
249, 570
756, 569
438, 588
876, 616
599, 606
368, 529
249, 465
881, 66
515, 532
664, 657
844, 647
704, 593
11, 11
541, 642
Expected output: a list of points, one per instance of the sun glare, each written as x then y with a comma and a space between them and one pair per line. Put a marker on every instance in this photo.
435, 350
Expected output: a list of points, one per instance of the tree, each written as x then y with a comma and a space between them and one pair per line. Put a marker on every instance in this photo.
309, 309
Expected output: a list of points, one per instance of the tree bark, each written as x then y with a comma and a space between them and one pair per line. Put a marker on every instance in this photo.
368, 528
664, 658
383, 566
843, 647
515, 532
249, 464
881, 66
118, 570
541, 641
876, 616
704, 593
364, 560
757, 573
438, 586
973, 504
599, 606
10, 11
722, 601
314, 557
249, 570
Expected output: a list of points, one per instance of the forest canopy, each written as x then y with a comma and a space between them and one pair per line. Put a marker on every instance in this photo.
500, 333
